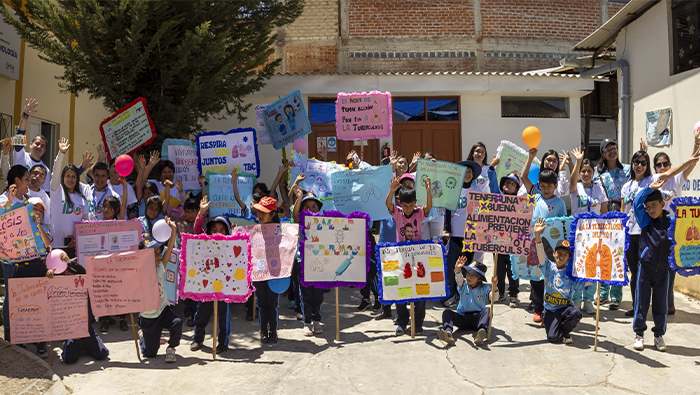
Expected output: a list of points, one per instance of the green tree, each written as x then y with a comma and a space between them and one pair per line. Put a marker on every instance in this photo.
191, 60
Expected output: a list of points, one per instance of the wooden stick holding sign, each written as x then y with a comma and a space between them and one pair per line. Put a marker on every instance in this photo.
362, 149
337, 316
413, 320
597, 316
50, 354
216, 327
136, 337
495, 270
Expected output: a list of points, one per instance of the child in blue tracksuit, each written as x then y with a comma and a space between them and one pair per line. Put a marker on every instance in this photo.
472, 312
652, 277
509, 185
561, 317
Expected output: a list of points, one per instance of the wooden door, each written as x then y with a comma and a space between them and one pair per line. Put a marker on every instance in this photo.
443, 138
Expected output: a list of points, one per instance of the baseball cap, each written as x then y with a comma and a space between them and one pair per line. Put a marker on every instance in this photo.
266, 205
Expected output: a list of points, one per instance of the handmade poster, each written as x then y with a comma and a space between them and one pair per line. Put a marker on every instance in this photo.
318, 174
183, 154
105, 237
216, 267
272, 249
260, 128
172, 274
220, 194
43, 309
123, 282
362, 190
685, 252
446, 183
17, 139
598, 248
411, 272
659, 127
128, 129
498, 223
287, 120
361, 116
20, 239
335, 249
527, 266
222, 153
512, 158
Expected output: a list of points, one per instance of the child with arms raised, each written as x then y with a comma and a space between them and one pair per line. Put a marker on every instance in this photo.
268, 300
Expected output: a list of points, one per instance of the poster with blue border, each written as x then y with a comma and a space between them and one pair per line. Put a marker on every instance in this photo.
222, 152
287, 120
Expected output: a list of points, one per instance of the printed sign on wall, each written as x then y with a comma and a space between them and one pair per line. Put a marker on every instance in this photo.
498, 223
222, 153
527, 267
273, 247
335, 249
128, 129
221, 197
183, 154
287, 120
411, 272
362, 190
43, 309
105, 237
363, 115
318, 174
20, 239
216, 267
598, 248
446, 183
123, 282
659, 127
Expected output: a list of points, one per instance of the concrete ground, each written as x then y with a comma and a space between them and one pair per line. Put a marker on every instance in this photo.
370, 359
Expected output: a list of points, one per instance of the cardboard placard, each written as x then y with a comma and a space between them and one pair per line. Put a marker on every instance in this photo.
363, 115
224, 152
20, 239
446, 183
220, 194
43, 309
183, 154
598, 248
273, 247
512, 158
411, 272
123, 282
685, 233
287, 120
128, 129
527, 267
106, 237
172, 277
362, 190
260, 127
318, 174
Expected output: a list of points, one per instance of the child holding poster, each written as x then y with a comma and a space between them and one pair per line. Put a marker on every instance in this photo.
218, 225
547, 205
153, 322
561, 317
408, 219
268, 300
472, 313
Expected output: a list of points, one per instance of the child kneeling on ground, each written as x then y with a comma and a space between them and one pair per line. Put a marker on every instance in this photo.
561, 317
153, 322
472, 313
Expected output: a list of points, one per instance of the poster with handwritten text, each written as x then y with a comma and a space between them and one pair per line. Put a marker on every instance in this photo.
128, 129
411, 272
20, 239
362, 190
318, 174
272, 247
598, 248
498, 223
363, 115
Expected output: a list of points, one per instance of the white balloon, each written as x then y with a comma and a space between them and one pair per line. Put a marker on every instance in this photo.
161, 231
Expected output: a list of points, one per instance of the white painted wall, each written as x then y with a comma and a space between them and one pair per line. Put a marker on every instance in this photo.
480, 105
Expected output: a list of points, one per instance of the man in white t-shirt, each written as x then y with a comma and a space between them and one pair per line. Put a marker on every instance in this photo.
37, 176
99, 190
37, 147
132, 204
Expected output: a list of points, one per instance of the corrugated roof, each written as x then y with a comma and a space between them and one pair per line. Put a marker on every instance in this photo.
428, 73
604, 36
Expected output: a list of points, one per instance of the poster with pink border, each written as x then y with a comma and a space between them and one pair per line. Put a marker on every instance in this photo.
216, 267
362, 116
43, 309
272, 250
123, 282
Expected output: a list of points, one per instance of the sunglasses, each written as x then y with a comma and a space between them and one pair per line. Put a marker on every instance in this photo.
662, 164
613, 148
551, 160
640, 162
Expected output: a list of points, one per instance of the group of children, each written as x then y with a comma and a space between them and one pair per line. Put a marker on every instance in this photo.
556, 301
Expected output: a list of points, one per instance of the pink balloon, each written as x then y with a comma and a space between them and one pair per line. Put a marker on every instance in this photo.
696, 127
124, 165
299, 145
53, 261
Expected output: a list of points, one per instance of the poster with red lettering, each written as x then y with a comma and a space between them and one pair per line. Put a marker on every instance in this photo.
43, 309
123, 282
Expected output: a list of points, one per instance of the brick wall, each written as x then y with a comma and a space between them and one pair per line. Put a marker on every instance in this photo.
319, 21
398, 18
409, 65
311, 59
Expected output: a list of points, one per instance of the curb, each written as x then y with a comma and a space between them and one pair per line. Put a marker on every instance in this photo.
57, 388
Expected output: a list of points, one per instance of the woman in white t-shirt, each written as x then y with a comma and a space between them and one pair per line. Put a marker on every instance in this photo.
69, 203
17, 177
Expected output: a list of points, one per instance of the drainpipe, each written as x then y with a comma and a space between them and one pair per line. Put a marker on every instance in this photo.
624, 68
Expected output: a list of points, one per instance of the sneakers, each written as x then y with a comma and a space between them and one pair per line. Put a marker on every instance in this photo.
264, 337
221, 349
195, 346
449, 302
307, 330
189, 321
629, 313
589, 307
671, 310
537, 317
317, 328
170, 355
503, 299
513, 302
383, 313
292, 304
300, 316
376, 306
639, 343
603, 300
480, 336
530, 308
419, 331
567, 340
123, 325
104, 326
273, 337
364, 305
579, 305
446, 337
43, 353
659, 343
249, 315
399, 331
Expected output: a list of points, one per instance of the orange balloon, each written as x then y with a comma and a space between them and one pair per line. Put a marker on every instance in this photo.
532, 136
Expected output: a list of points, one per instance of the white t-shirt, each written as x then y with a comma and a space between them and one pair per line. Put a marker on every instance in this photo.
64, 216
25, 159
585, 200
670, 189
629, 192
44, 198
118, 190
96, 201
4, 198
160, 272
459, 216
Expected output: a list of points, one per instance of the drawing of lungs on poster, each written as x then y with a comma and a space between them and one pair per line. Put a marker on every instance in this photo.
287, 120
411, 272
598, 248
222, 153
